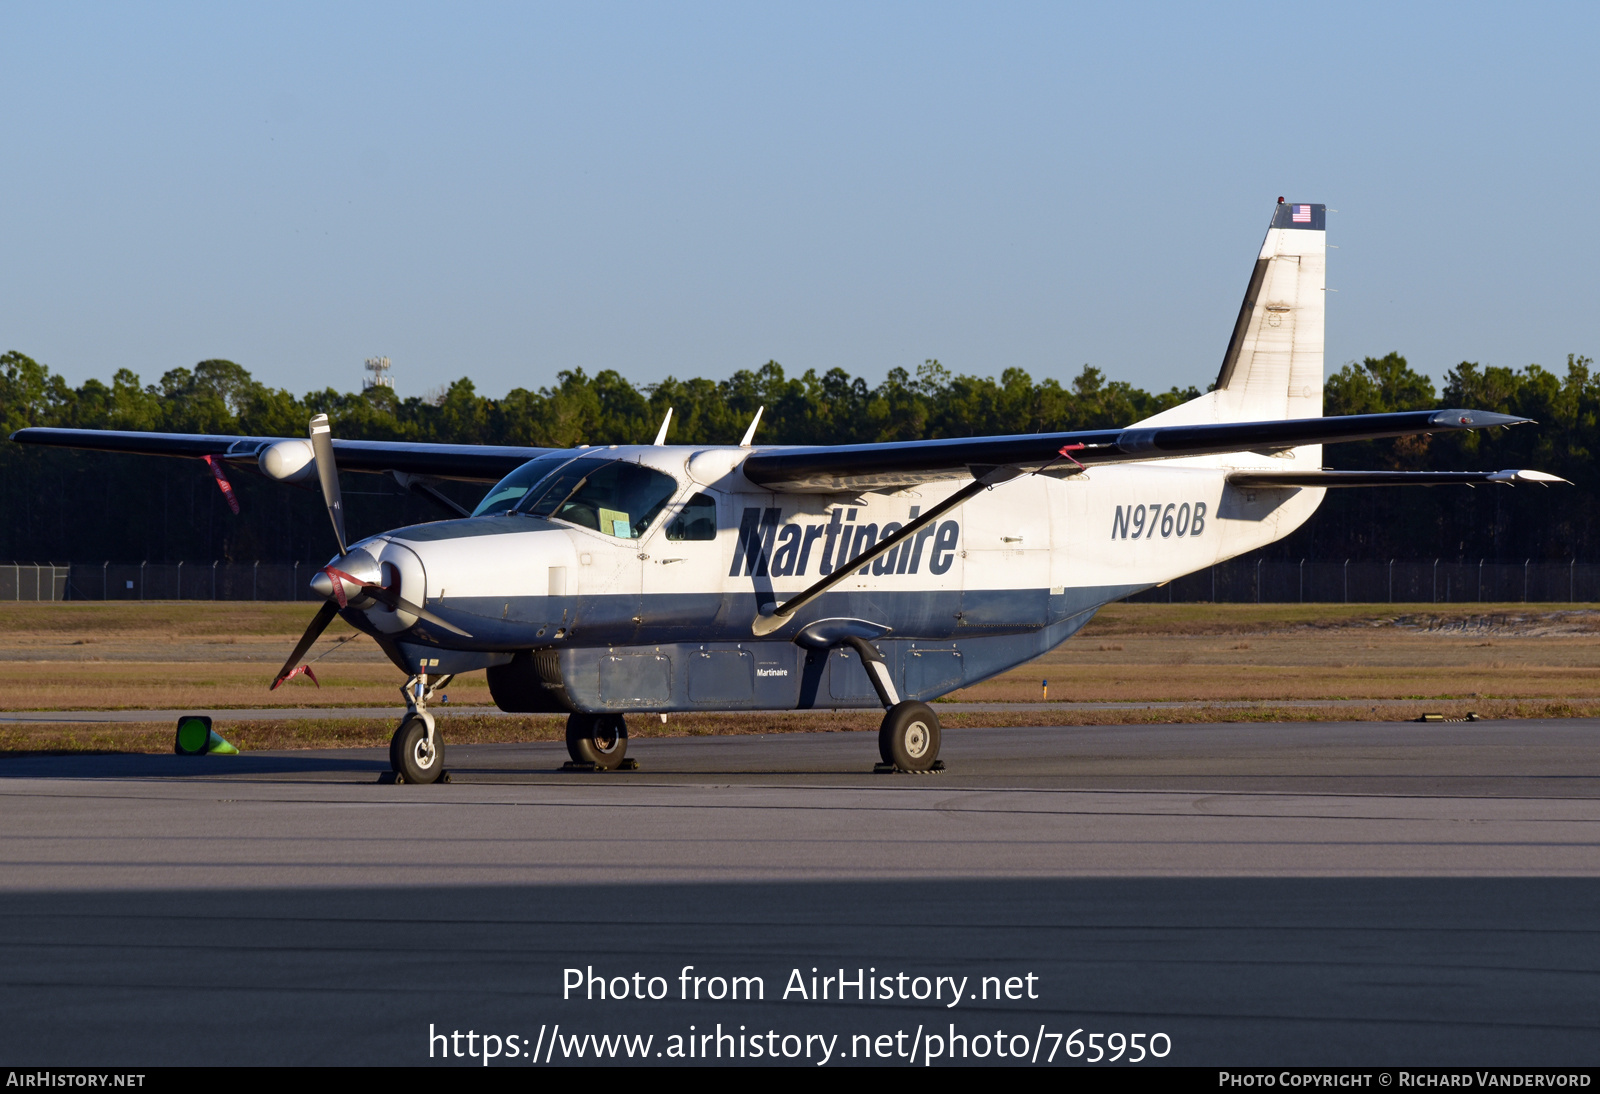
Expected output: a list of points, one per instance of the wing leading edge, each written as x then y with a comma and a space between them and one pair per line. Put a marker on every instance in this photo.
464, 462
906, 463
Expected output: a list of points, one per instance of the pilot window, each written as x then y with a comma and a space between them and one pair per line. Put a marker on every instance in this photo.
509, 491
614, 498
696, 520
548, 493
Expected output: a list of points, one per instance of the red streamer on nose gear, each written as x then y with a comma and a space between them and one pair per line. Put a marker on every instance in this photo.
1067, 450
296, 671
222, 483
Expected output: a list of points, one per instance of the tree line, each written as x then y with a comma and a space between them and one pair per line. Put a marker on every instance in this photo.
77, 506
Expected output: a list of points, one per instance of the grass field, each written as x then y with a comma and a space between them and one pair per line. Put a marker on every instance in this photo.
1499, 660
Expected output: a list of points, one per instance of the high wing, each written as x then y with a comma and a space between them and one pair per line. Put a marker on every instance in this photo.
816, 469
290, 459
890, 466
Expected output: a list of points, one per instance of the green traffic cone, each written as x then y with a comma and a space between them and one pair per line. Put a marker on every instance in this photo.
194, 734
197, 738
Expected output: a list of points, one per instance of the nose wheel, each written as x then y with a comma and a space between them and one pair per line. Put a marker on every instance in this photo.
416, 751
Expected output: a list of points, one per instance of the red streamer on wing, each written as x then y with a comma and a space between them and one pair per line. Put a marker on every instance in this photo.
222, 483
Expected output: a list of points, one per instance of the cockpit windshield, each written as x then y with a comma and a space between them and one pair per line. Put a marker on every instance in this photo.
613, 497
511, 489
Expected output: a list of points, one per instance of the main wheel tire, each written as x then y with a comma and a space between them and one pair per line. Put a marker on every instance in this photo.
909, 736
410, 755
599, 739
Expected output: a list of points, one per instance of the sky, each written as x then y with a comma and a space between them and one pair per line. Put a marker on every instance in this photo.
508, 191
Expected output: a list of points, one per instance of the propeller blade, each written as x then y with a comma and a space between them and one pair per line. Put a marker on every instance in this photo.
319, 623
328, 475
397, 603
400, 603
423, 613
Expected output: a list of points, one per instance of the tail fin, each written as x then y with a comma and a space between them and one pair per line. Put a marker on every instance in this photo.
1273, 367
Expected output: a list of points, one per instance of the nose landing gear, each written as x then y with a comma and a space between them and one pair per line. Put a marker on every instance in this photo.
416, 751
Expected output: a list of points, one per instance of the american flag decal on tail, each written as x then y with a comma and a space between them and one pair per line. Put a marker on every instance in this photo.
1302, 214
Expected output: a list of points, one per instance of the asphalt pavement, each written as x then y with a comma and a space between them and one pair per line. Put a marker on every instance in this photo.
1257, 893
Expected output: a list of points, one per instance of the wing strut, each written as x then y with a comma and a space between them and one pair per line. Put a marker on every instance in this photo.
766, 623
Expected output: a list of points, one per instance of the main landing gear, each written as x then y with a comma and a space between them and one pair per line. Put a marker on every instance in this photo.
908, 737
598, 742
416, 751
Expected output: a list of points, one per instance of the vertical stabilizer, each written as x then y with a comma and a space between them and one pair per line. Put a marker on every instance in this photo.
1273, 365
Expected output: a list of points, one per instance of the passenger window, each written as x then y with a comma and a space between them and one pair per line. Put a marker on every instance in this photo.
696, 520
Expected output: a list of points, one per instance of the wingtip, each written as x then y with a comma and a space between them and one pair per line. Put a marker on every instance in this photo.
1477, 419
1515, 476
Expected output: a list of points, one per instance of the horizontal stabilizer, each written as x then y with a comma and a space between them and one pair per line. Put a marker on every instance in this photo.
1269, 479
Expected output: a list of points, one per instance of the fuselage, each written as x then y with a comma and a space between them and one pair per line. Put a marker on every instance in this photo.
665, 600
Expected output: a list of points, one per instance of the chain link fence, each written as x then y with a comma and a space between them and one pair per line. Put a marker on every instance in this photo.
1237, 581
157, 581
33, 581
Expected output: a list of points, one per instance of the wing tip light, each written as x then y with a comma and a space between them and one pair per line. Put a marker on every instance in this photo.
1477, 419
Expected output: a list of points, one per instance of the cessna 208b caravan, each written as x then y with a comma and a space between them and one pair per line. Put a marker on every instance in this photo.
653, 578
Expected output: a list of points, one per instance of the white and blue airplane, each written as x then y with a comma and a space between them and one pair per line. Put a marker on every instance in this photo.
599, 582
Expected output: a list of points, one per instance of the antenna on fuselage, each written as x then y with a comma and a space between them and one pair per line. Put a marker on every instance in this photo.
749, 434
661, 434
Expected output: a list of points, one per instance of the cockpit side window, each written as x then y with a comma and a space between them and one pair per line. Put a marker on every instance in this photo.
613, 497
697, 520
508, 493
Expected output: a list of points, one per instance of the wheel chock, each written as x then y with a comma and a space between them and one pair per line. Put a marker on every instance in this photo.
397, 778
891, 769
585, 765
195, 737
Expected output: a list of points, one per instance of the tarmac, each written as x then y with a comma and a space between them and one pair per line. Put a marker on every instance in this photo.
1262, 893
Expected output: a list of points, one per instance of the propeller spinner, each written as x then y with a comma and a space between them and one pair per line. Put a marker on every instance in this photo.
354, 578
